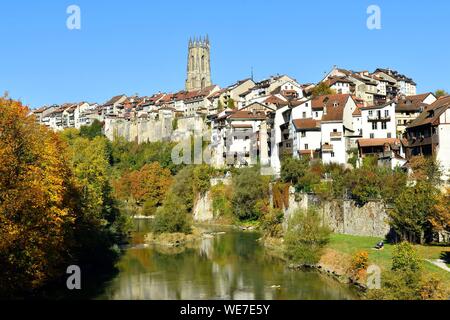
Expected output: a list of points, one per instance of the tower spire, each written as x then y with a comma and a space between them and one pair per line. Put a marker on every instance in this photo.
198, 64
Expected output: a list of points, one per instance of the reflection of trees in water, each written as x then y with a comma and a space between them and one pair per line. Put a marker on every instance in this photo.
230, 266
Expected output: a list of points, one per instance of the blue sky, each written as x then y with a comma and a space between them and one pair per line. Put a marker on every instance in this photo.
141, 46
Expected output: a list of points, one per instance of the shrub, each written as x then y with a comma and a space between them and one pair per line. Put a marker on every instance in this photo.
359, 264
306, 237
405, 258
406, 280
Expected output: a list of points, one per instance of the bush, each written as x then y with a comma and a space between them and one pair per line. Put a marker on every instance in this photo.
405, 258
359, 264
406, 280
306, 237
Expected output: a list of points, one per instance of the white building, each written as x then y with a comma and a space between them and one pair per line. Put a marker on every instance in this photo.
379, 121
336, 125
307, 137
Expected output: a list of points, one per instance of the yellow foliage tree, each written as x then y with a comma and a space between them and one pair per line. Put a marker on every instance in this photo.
37, 207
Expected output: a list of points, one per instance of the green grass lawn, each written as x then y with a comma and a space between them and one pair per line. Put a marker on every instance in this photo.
352, 244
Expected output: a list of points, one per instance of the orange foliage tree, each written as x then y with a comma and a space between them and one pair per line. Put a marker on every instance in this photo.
37, 201
147, 186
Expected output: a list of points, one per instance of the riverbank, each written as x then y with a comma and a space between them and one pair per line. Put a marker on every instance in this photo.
332, 263
337, 256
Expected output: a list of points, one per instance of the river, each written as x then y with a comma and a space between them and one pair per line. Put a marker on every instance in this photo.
231, 265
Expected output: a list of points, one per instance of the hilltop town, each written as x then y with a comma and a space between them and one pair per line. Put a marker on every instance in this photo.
347, 115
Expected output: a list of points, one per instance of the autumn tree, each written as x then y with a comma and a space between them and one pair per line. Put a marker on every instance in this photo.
146, 187
440, 215
38, 201
426, 169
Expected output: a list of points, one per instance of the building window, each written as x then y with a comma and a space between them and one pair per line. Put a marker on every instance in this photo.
304, 115
332, 154
383, 125
374, 125
386, 113
317, 114
389, 135
372, 136
370, 113
306, 146
303, 134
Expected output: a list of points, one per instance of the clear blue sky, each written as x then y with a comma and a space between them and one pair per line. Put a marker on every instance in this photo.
140, 46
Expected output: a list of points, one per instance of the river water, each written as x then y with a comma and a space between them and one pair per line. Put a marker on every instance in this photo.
230, 265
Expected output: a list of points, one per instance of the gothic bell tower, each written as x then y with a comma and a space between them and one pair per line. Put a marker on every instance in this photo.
198, 64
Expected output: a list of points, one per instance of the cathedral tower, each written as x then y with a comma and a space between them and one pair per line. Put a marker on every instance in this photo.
198, 64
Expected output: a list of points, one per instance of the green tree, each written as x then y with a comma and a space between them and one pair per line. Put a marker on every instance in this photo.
293, 169
231, 104
101, 225
92, 131
412, 209
172, 216
248, 188
219, 106
440, 93
322, 89
306, 237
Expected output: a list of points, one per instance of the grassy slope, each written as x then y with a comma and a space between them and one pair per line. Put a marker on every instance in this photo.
382, 258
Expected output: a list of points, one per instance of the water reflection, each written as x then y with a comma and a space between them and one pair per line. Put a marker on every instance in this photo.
227, 266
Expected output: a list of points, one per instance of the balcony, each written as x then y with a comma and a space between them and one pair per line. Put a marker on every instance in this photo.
327, 148
335, 135
378, 118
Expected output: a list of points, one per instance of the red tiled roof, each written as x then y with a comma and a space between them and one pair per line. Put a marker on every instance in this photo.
432, 113
378, 142
412, 103
306, 124
334, 104
247, 115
